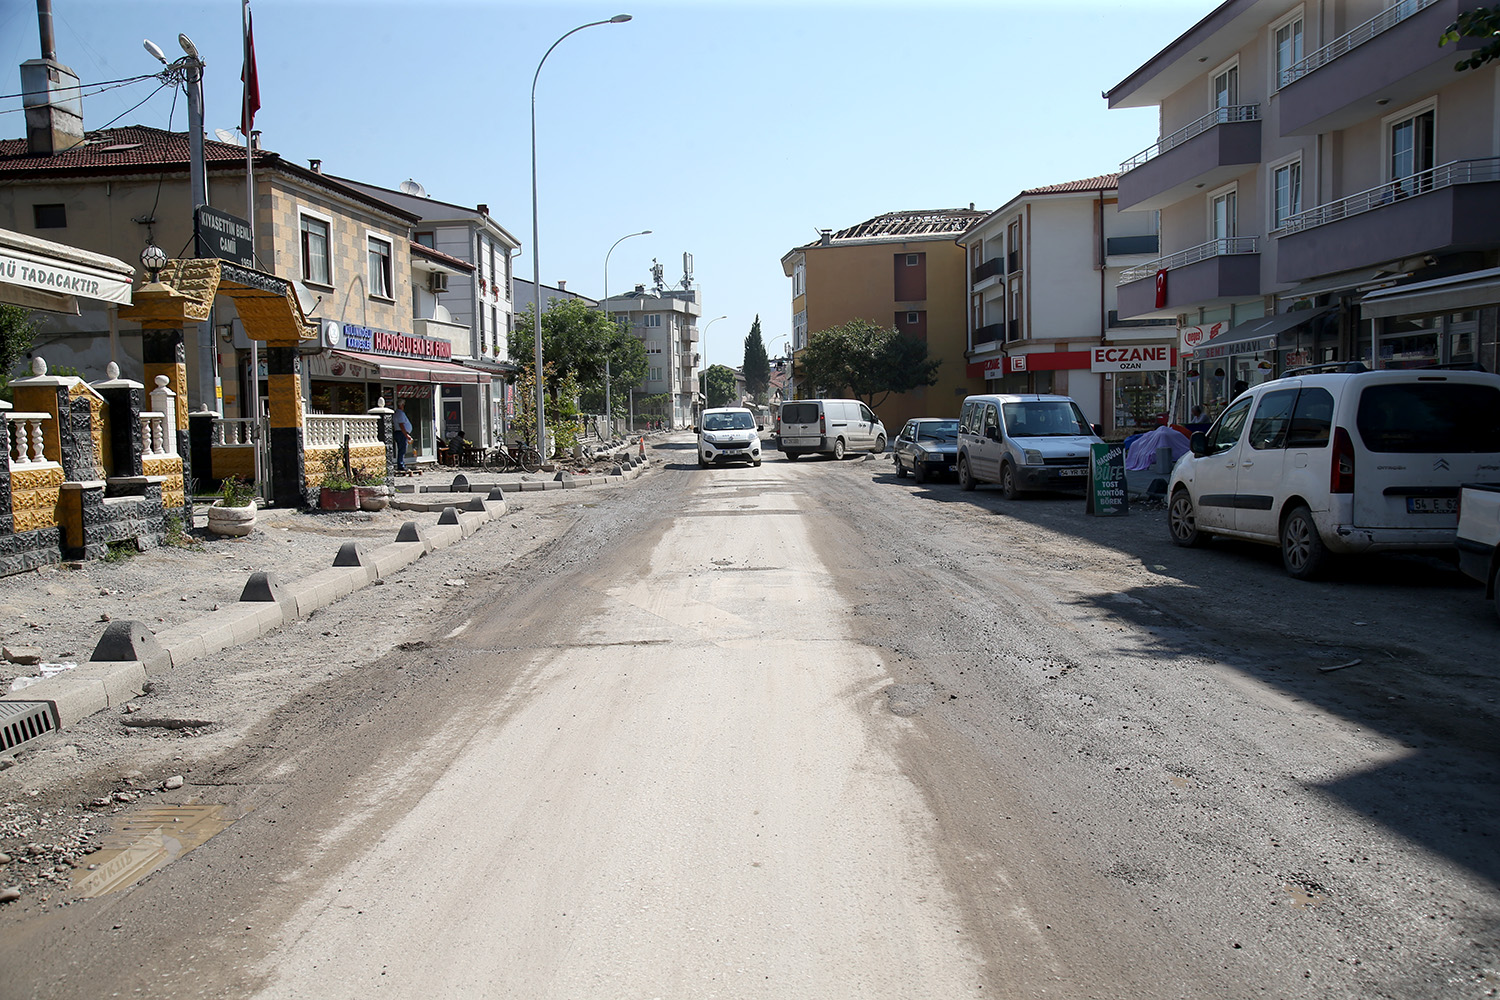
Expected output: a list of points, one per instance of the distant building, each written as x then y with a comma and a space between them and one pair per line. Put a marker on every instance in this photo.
901, 270
666, 321
524, 297
1042, 274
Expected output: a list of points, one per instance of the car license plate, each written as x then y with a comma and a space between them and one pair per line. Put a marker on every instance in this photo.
800, 440
952, 468
1432, 505
1073, 472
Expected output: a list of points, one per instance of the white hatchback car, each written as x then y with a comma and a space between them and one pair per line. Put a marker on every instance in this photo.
1348, 461
728, 434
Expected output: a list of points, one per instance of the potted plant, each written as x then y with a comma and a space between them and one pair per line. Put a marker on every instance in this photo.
372, 492
233, 514
336, 488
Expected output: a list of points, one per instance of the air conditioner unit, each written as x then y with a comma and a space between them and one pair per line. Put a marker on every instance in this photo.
437, 281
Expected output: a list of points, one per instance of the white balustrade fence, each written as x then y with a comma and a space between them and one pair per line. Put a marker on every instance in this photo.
328, 430
233, 431
158, 437
26, 440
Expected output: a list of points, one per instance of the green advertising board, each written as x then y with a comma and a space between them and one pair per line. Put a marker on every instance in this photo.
1106, 493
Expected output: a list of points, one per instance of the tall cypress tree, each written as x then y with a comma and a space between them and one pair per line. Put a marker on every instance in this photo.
757, 364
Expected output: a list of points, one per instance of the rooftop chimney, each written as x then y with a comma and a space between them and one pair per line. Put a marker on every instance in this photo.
483, 209
54, 106
316, 166
825, 236
562, 286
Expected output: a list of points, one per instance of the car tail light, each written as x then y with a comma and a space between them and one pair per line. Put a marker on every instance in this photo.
1341, 470
822, 423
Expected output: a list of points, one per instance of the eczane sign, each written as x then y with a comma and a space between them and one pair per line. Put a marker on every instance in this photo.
1131, 359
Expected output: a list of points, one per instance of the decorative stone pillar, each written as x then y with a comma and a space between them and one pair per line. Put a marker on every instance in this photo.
163, 353
201, 445
125, 399
7, 522
288, 461
386, 431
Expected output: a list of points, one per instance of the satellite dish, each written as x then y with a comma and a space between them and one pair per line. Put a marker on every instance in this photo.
228, 135
412, 188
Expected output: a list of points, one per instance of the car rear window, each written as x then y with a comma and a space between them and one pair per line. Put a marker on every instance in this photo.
799, 413
1430, 417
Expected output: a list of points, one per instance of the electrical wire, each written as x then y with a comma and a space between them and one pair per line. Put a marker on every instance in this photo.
127, 111
81, 86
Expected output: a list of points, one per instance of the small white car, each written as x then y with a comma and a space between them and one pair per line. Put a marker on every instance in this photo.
728, 434
1323, 462
1024, 442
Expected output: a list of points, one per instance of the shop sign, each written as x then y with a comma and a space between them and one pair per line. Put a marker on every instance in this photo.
1131, 359
1296, 359
49, 276
403, 390
1192, 336
406, 345
1016, 362
324, 365
355, 338
1106, 492
225, 236
1257, 346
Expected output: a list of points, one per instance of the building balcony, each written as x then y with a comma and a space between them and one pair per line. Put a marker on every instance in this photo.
1211, 274
1391, 59
1447, 209
1130, 246
988, 332
989, 269
456, 334
1210, 151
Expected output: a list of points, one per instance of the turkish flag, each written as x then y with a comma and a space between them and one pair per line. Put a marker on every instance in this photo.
249, 79
1161, 288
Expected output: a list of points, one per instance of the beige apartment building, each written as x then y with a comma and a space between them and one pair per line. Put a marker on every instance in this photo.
1328, 187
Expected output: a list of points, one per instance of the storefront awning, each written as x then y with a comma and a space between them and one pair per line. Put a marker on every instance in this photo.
1457, 293
413, 370
40, 274
1256, 335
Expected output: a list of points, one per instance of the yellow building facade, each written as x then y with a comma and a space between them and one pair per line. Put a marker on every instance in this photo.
902, 270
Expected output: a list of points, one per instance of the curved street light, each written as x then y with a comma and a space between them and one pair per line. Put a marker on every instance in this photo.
609, 414
703, 338
536, 258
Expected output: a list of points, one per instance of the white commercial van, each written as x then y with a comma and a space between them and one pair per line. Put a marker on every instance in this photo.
1322, 462
829, 427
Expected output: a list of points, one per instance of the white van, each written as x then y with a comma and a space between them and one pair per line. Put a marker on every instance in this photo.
1323, 462
1024, 442
828, 427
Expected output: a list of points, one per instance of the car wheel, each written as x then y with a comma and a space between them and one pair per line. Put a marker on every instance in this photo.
1182, 521
880, 445
755, 462
1008, 481
792, 456
965, 478
900, 469
1302, 550
838, 450
919, 471
702, 462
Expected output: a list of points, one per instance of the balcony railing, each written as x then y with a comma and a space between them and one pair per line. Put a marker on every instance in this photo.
1388, 18
1203, 251
1123, 245
989, 332
328, 430
1218, 116
989, 269
1446, 175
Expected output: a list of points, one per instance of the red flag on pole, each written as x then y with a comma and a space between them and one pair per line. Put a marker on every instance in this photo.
1161, 288
249, 79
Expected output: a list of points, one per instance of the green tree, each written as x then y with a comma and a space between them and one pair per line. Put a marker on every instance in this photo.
562, 411
17, 334
717, 384
1481, 22
757, 363
576, 340
867, 360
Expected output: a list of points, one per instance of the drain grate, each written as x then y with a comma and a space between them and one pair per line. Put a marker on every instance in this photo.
22, 721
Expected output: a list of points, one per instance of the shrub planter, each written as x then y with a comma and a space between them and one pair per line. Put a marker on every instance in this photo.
373, 497
337, 499
234, 522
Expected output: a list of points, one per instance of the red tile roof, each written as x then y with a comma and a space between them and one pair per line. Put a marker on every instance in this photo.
1101, 183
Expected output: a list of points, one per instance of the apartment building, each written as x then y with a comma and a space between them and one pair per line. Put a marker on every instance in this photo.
1043, 275
1328, 187
665, 319
902, 270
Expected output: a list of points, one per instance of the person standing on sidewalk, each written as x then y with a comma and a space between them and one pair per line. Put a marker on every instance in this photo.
403, 435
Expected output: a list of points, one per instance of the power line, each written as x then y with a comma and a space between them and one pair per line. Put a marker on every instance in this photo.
81, 86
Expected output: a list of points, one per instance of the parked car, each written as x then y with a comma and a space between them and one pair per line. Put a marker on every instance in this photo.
728, 434
1325, 462
829, 427
926, 447
1479, 536
1024, 442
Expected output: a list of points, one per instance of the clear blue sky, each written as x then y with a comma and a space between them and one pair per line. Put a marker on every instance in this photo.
734, 131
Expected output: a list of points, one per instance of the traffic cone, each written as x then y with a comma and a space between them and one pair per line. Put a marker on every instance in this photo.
643, 446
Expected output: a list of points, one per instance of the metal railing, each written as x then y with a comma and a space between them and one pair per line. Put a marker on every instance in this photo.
328, 430
1447, 175
158, 439
988, 269
1388, 18
234, 432
27, 442
1218, 116
1226, 247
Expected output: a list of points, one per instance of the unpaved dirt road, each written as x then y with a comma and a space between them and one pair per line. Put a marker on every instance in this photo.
807, 731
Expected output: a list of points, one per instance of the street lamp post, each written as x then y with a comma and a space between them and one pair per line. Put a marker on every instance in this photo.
609, 414
703, 339
536, 257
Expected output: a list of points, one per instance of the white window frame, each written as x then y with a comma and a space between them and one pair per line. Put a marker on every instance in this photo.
1290, 17
799, 280
389, 295
1213, 94
1390, 121
913, 259
302, 262
651, 320
1233, 187
653, 347
653, 374
1272, 169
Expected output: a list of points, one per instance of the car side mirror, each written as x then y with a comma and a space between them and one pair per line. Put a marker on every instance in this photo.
1098, 431
695, 429
1198, 444
760, 427
993, 433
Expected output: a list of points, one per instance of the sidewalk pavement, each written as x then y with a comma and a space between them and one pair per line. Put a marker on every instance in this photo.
129, 652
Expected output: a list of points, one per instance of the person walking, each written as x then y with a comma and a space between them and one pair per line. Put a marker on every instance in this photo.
403, 435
